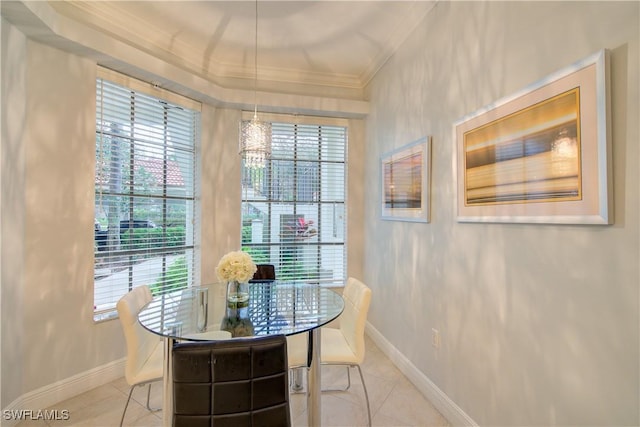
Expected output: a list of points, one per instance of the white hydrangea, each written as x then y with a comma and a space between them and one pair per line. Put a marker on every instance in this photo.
236, 266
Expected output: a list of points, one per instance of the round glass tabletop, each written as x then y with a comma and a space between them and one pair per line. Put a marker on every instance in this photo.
276, 307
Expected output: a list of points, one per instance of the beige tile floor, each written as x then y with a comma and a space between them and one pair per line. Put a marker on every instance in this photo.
394, 401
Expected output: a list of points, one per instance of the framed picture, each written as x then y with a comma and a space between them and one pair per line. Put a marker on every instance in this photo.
541, 155
405, 182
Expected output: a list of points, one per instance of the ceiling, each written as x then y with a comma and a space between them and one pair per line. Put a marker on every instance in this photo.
317, 48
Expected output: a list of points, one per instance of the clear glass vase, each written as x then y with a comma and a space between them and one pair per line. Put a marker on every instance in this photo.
237, 294
236, 319
237, 322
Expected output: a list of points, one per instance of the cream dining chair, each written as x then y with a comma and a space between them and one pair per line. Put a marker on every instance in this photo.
145, 354
344, 345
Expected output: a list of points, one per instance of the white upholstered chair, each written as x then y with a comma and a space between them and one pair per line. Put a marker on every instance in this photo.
344, 345
145, 353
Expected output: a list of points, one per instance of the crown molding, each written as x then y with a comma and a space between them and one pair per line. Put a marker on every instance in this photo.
415, 15
40, 22
108, 17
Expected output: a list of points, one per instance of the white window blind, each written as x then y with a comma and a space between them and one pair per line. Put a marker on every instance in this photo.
144, 194
293, 210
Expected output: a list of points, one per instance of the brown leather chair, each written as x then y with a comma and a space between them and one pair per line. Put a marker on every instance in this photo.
239, 382
264, 273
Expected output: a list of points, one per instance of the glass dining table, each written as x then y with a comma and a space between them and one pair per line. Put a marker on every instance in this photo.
277, 307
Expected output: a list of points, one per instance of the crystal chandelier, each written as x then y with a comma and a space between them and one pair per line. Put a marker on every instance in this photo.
255, 142
255, 135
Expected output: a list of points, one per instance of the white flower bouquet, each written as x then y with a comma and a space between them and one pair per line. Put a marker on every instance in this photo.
236, 266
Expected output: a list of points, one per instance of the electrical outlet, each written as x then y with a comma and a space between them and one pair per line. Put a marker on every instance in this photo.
435, 338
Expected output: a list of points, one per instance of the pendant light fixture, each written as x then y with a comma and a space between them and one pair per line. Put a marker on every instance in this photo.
255, 135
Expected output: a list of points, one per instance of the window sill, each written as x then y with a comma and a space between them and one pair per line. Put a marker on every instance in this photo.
105, 316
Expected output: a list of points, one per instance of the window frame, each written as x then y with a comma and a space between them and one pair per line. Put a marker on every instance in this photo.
182, 155
322, 122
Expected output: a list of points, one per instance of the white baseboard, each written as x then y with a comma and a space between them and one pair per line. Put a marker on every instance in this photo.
49, 395
447, 407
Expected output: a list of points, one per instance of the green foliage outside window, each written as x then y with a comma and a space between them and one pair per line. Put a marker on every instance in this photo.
175, 278
147, 238
259, 254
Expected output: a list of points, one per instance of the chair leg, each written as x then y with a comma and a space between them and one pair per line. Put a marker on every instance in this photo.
125, 405
129, 398
296, 379
149, 398
348, 382
364, 386
366, 395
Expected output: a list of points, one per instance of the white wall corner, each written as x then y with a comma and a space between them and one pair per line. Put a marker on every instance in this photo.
51, 394
447, 407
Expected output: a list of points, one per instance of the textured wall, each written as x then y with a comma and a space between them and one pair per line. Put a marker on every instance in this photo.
13, 108
538, 323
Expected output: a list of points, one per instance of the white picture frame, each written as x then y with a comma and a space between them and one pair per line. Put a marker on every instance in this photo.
541, 155
405, 182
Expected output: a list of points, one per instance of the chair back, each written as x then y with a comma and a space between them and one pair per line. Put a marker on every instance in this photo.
357, 298
239, 382
264, 273
140, 342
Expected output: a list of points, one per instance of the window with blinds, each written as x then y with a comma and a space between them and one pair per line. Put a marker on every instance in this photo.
293, 210
144, 195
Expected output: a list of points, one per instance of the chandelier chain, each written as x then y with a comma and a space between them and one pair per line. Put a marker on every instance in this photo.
255, 135
255, 63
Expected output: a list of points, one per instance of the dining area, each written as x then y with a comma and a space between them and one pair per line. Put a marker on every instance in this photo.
232, 352
395, 401
122, 170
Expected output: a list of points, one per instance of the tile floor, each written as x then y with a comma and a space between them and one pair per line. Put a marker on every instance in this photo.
394, 401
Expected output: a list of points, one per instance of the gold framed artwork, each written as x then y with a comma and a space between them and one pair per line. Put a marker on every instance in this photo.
541, 155
405, 182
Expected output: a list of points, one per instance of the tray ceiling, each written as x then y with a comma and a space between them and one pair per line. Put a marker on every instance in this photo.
340, 44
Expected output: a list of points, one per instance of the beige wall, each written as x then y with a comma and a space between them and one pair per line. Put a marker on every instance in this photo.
48, 331
539, 323
48, 137
220, 187
14, 46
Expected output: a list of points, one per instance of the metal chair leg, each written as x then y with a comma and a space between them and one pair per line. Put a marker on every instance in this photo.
296, 379
126, 405
348, 382
366, 395
364, 386
148, 399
